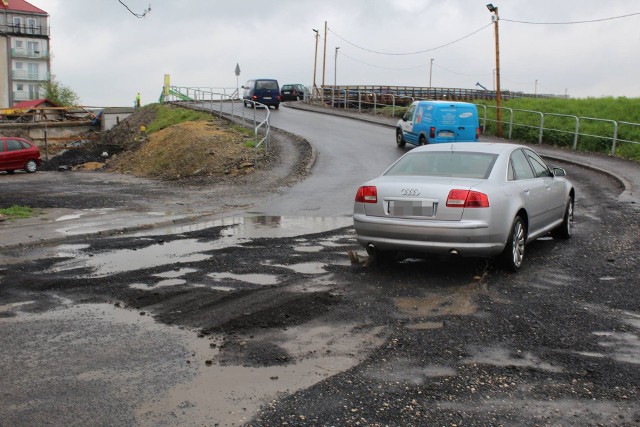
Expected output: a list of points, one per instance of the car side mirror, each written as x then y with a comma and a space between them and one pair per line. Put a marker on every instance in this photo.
559, 172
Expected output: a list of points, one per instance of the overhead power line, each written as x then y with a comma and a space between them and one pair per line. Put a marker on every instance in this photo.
409, 53
137, 15
571, 22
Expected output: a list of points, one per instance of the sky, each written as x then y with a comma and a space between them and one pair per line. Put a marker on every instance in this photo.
107, 55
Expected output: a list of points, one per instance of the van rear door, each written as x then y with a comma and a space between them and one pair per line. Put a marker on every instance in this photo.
467, 123
456, 123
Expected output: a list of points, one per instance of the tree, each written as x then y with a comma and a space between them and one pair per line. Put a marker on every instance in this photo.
60, 94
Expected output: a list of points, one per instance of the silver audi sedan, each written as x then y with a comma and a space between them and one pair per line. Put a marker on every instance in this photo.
466, 199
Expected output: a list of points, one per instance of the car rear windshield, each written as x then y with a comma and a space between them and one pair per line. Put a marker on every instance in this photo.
445, 163
266, 84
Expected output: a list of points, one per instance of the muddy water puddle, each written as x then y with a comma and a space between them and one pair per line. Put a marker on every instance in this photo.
236, 231
122, 352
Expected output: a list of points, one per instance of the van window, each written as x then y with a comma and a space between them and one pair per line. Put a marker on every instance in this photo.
408, 115
266, 84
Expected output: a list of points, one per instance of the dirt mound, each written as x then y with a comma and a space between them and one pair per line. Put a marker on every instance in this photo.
190, 149
197, 149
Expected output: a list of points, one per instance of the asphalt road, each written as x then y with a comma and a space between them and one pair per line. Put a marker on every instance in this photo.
265, 320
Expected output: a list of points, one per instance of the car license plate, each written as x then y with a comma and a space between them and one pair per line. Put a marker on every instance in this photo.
410, 208
287, 93
446, 134
266, 97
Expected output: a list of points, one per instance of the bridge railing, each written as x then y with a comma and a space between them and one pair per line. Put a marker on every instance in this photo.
225, 105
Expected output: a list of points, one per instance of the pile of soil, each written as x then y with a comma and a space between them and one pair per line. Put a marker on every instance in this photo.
198, 149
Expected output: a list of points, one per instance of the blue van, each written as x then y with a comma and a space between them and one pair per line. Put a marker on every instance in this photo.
264, 91
435, 122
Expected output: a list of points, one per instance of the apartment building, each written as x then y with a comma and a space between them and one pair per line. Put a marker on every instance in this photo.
25, 62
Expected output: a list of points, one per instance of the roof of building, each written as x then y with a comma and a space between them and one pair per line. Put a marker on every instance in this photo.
20, 6
34, 103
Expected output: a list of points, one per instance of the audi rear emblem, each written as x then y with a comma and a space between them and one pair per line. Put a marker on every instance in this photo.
410, 192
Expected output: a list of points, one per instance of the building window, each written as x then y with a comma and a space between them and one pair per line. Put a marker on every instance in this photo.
19, 87
34, 91
19, 44
33, 48
31, 26
17, 24
18, 65
33, 71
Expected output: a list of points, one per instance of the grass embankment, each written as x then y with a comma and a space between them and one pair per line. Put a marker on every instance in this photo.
559, 130
183, 143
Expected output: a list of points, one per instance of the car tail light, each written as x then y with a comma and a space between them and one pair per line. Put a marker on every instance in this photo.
367, 194
432, 132
255, 97
467, 199
477, 133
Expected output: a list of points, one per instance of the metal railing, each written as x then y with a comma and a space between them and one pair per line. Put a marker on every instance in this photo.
574, 127
223, 105
575, 132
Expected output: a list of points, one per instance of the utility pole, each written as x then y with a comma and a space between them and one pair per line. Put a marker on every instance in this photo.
315, 63
324, 60
496, 18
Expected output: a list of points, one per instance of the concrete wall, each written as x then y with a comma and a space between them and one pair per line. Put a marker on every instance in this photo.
57, 135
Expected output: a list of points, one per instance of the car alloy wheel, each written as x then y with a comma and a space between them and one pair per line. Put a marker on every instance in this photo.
513, 253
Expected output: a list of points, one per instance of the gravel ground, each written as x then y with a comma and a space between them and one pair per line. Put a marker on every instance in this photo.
311, 333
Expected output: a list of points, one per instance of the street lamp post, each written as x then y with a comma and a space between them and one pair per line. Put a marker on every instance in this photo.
335, 75
315, 63
335, 69
430, 73
496, 18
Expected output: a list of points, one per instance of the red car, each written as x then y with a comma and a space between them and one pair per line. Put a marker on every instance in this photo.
18, 153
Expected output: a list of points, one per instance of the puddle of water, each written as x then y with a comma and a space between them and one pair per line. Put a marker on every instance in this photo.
167, 375
79, 214
425, 326
505, 357
176, 273
238, 230
623, 346
256, 279
124, 260
405, 371
252, 227
304, 267
161, 284
308, 249
222, 288
6, 308
458, 301
231, 395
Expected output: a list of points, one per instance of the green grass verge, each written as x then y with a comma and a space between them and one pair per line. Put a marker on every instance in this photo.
167, 115
595, 127
17, 212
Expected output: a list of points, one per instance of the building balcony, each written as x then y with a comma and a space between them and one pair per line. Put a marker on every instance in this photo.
30, 54
23, 95
24, 75
24, 30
